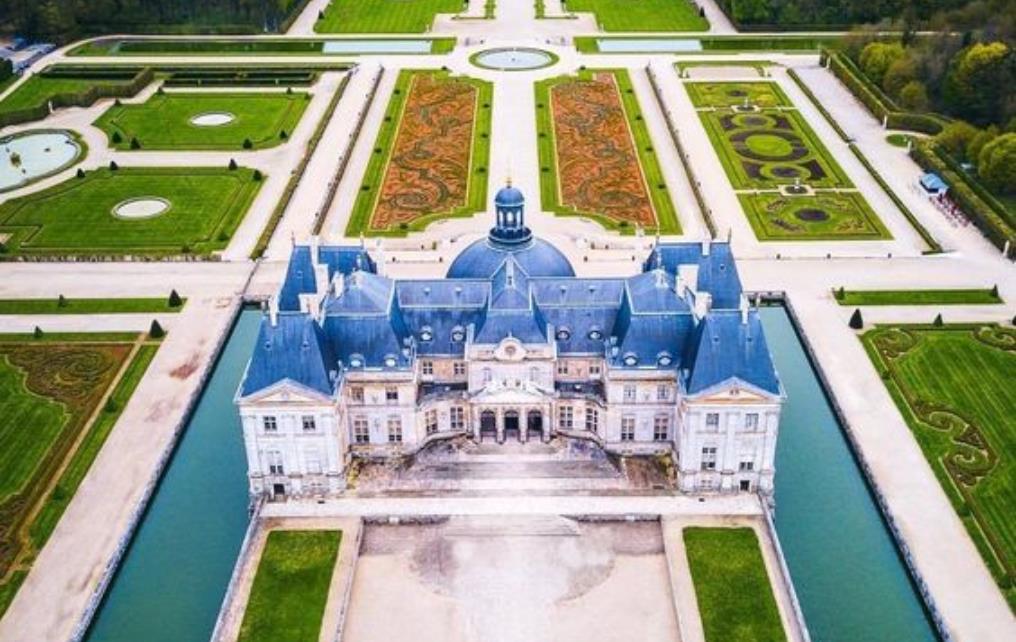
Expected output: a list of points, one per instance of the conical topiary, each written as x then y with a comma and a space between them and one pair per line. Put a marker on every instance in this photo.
856, 322
156, 331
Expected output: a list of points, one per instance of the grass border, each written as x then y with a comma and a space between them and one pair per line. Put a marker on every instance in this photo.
90, 306
943, 296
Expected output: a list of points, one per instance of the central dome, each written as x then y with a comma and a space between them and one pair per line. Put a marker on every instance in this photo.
509, 237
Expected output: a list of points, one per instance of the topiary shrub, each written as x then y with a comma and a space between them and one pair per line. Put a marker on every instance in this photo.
156, 331
232, 163
839, 293
135, 144
247, 144
116, 138
110, 406
938, 320
61, 301
257, 175
174, 299
37, 332
283, 135
856, 322
80, 173
113, 166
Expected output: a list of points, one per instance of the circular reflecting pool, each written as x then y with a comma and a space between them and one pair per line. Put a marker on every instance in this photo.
513, 59
30, 155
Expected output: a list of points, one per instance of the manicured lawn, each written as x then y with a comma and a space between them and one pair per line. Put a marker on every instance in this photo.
597, 159
762, 150
918, 297
643, 15
39, 89
76, 216
287, 600
383, 16
842, 216
86, 306
732, 94
734, 596
164, 121
49, 389
430, 157
273, 46
898, 140
953, 385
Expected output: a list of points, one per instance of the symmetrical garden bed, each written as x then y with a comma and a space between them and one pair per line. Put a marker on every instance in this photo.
430, 157
596, 156
53, 398
78, 216
173, 121
953, 385
791, 187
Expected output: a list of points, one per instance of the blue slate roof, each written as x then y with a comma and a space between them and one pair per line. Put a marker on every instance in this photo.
726, 348
717, 273
483, 257
294, 349
300, 277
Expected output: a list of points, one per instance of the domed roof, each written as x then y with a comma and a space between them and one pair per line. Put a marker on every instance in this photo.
509, 196
483, 257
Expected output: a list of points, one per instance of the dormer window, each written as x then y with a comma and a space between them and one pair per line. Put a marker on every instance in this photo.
355, 361
664, 359
596, 334
391, 361
563, 334
458, 334
630, 359
426, 334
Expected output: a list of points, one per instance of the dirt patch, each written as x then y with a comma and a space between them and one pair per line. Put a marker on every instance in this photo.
187, 368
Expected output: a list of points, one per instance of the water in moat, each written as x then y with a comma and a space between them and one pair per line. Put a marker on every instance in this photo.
848, 576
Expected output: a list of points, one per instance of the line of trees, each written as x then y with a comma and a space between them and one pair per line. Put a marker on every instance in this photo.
931, 14
62, 20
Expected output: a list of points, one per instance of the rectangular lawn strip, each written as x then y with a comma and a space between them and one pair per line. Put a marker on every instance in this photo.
644, 15
290, 590
822, 216
228, 46
768, 149
619, 152
383, 16
40, 89
87, 306
971, 296
764, 95
76, 217
953, 385
432, 111
735, 598
49, 390
164, 120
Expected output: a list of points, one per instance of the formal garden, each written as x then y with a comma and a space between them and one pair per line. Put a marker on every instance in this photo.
65, 86
383, 16
764, 95
213, 120
136, 211
735, 598
430, 157
645, 15
596, 156
953, 385
290, 590
60, 395
836, 216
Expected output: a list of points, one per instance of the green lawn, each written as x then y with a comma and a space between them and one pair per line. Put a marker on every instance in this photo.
87, 306
164, 121
39, 89
227, 46
732, 94
287, 600
644, 15
734, 596
954, 386
76, 216
835, 216
972, 296
383, 16
49, 389
550, 193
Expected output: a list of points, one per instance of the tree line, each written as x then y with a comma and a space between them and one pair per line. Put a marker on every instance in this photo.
63, 20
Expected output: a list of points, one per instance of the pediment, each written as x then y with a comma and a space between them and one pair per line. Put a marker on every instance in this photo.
734, 390
286, 391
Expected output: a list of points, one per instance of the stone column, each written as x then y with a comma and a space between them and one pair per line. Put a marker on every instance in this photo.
524, 424
548, 423
499, 418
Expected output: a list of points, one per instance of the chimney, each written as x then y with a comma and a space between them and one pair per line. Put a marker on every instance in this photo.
273, 310
315, 245
706, 246
680, 287
743, 307
338, 284
703, 303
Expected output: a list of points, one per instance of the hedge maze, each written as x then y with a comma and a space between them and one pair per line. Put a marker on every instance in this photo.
953, 385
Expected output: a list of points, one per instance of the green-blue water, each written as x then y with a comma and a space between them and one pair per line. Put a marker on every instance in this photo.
843, 561
851, 584
174, 576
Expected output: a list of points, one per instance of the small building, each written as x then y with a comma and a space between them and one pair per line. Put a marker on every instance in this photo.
511, 345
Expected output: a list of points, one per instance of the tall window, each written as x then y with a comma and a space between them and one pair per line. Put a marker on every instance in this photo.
565, 419
629, 392
562, 367
713, 421
312, 461
662, 392
592, 419
391, 394
709, 458
430, 420
394, 430
747, 465
534, 374
627, 428
457, 418
487, 375
270, 423
594, 370
459, 368
751, 421
661, 428
356, 394
274, 460
361, 431
309, 423
427, 368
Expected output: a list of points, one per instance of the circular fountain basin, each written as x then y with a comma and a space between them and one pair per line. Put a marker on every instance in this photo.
140, 208
30, 155
513, 59
213, 119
